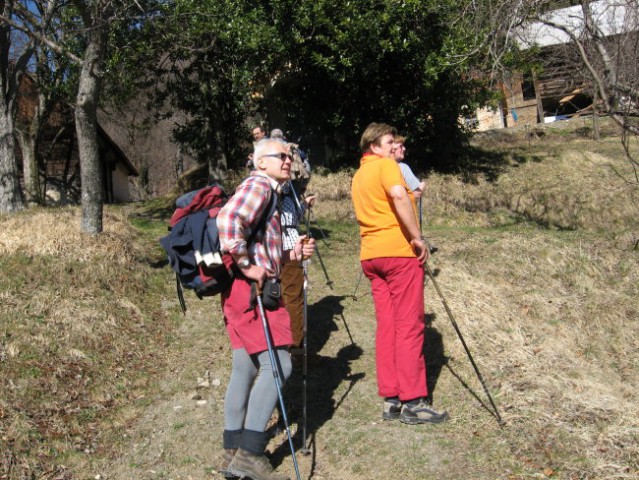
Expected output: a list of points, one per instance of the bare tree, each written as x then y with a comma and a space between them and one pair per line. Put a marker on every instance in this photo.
15, 53
604, 35
90, 22
98, 18
25, 28
95, 16
40, 94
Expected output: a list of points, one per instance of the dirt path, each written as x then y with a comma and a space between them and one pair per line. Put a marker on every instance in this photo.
178, 435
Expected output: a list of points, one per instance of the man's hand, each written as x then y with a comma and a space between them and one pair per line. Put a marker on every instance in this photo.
310, 199
408, 221
304, 248
255, 273
419, 191
421, 249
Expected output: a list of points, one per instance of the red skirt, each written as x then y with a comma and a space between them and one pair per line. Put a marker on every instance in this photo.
245, 328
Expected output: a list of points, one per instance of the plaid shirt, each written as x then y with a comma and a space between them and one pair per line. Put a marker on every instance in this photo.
242, 213
291, 217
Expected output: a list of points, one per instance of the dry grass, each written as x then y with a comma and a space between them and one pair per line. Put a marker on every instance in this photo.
556, 320
78, 337
57, 234
565, 188
333, 192
538, 264
551, 182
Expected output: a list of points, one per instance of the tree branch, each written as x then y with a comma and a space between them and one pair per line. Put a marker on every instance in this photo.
41, 38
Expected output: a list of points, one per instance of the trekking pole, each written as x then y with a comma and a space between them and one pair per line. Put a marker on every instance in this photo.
359, 280
348, 330
421, 232
276, 375
459, 334
329, 282
324, 237
304, 449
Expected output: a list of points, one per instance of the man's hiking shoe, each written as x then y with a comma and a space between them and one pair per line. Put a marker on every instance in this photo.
392, 409
227, 457
421, 411
257, 467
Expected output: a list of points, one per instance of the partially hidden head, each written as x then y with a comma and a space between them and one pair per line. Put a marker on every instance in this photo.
258, 133
399, 149
277, 134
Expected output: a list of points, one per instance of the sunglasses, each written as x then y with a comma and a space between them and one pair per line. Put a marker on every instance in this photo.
281, 156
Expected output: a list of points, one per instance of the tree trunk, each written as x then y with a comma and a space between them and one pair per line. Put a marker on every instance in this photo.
30, 173
28, 136
218, 163
595, 114
86, 129
10, 195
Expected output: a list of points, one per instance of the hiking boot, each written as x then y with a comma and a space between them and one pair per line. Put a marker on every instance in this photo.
227, 457
392, 409
421, 411
257, 467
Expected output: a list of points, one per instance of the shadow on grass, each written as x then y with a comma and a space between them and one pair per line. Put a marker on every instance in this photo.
492, 411
436, 359
324, 376
155, 210
434, 356
318, 231
490, 164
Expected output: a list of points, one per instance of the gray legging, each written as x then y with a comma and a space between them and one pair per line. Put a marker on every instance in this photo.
252, 393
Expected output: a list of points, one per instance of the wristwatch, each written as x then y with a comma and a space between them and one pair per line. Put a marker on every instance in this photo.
244, 262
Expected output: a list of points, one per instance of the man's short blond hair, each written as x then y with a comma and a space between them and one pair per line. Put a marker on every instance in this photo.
400, 139
373, 135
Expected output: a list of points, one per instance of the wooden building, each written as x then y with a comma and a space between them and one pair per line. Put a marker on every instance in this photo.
58, 157
561, 89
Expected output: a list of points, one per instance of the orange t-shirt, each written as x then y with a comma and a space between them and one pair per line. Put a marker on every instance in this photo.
379, 228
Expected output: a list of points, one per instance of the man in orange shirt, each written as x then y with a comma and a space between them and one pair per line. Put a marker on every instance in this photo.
392, 256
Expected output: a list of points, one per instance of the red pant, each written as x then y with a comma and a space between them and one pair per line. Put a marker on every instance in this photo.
397, 286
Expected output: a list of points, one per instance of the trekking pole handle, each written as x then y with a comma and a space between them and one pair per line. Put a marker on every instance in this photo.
305, 241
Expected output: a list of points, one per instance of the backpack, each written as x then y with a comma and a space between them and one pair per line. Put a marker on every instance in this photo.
193, 244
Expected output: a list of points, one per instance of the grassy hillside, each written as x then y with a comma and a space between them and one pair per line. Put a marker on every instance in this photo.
102, 377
